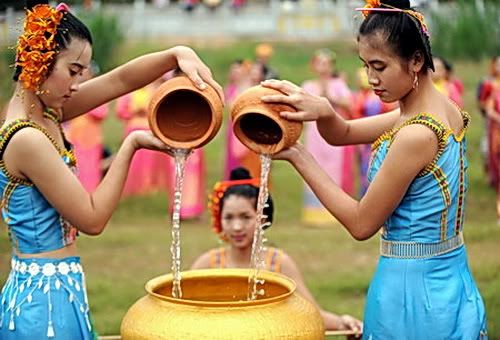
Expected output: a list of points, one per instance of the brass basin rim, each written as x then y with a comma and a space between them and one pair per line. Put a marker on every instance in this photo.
276, 278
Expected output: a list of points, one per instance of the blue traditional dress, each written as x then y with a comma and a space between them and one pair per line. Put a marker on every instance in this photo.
43, 297
423, 288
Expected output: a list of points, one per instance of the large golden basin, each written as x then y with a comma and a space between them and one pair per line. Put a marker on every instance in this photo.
214, 306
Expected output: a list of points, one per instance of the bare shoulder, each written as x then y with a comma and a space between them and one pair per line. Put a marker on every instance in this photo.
287, 262
415, 134
416, 144
203, 261
30, 141
455, 117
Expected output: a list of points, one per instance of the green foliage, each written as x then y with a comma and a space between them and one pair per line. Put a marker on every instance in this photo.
107, 35
467, 31
7, 58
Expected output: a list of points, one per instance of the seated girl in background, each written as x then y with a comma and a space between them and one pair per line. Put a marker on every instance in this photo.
234, 219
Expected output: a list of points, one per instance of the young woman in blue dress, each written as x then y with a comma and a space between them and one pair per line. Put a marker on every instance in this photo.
422, 288
43, 204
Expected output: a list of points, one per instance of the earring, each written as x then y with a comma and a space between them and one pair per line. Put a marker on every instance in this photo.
415, 82
223, 238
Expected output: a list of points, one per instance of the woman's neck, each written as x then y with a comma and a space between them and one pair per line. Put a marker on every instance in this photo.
419, 98
25, 104
324, 77
240, 257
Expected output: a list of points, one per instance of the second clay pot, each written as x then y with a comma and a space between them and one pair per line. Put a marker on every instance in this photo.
259, 126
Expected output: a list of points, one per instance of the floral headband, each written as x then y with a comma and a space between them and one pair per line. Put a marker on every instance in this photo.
36, 47
377, 6
214, 199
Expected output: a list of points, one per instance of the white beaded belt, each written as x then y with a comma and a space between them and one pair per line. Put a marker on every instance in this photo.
47, 269
417, 250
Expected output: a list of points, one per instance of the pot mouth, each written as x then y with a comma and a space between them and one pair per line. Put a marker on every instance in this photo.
221, 288
259, 131
183, 117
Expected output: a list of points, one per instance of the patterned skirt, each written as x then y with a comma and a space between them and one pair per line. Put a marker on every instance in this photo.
45, 299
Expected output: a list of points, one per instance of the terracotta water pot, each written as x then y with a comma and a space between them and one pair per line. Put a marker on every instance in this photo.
214, 306
183, 116
259, 126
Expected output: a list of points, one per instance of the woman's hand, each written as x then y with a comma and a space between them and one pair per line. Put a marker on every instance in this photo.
146, 140
199, 73
293, 153
309, 107
347, 322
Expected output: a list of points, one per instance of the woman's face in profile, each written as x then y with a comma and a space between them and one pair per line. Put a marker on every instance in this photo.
388, 74
68, 72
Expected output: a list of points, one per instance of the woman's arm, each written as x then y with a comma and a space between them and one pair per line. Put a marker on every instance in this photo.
413, 148
332, 321
334, 129
138, 73
31, 155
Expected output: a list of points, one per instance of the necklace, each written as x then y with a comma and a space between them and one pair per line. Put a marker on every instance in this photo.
52, 115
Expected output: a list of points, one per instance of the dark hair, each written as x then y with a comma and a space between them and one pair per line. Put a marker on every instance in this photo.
248, 191
403, 32
68, 29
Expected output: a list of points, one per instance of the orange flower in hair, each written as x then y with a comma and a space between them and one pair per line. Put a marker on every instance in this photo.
371, 4
36, 48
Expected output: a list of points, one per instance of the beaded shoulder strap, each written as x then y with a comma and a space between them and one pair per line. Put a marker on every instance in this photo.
217, 258
8, 131
441, 131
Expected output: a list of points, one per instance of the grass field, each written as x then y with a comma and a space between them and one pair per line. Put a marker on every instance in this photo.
337, 269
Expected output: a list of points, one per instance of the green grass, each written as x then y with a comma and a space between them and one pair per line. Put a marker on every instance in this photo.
135, 246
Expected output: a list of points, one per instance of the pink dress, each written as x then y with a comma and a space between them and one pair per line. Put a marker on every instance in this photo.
148, 171
85, 134
337, 161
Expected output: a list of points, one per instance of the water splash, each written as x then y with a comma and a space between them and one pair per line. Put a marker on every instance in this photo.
256, 262
181, 156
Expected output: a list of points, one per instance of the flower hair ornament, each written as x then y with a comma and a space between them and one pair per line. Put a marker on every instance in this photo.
37, 47
377, 6
215, 198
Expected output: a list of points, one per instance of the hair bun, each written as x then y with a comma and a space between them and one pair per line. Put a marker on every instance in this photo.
32, 3
401, 4
239, 174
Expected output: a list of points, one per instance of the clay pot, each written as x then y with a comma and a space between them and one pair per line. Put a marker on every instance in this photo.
259, 126
214, 306
184, 117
